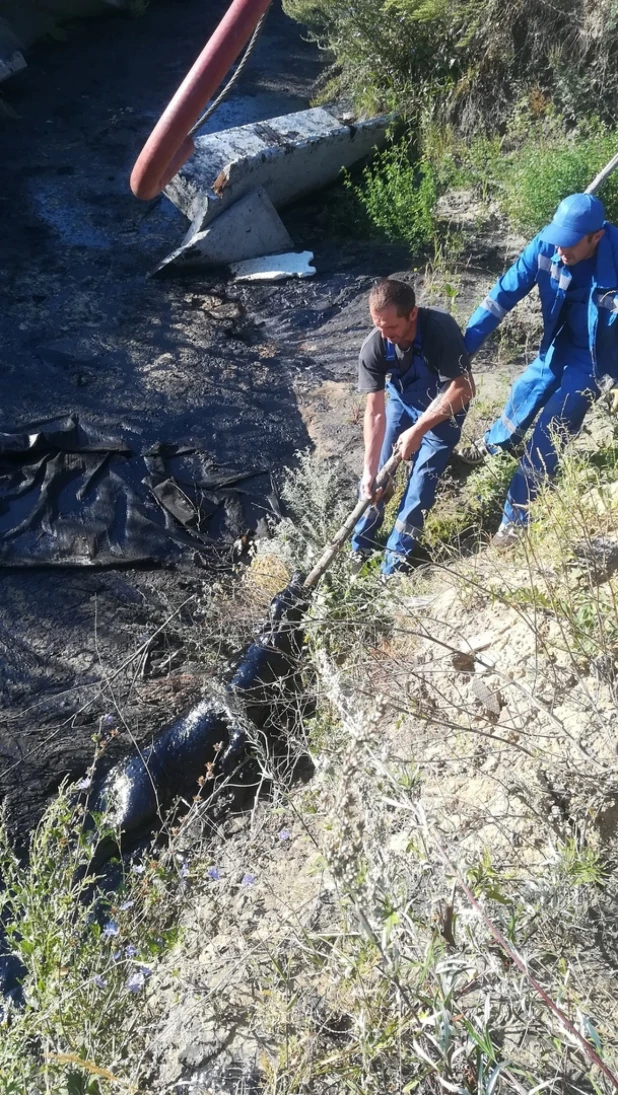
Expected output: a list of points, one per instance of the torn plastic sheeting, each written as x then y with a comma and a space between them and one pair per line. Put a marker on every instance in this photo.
215, 734
274, 267
71, 496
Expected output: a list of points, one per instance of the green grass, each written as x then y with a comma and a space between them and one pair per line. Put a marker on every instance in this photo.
542, 172
88, 954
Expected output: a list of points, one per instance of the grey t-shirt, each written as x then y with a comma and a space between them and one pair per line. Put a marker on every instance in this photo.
442, 347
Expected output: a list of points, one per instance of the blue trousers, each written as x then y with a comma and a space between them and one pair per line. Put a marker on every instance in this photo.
427, 467
562, 389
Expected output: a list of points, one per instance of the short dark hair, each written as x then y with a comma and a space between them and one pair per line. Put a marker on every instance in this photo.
389, 292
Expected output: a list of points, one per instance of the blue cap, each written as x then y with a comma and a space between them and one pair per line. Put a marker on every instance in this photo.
574, 218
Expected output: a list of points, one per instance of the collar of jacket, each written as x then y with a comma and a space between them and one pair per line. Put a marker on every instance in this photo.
606, 269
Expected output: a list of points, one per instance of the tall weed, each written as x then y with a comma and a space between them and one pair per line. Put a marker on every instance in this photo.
86, 956
399, 196
469, 62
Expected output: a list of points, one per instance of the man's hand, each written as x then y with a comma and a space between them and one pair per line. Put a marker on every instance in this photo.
368, 488
409, 442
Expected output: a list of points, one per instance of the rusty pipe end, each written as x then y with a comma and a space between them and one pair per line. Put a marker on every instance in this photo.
147, 178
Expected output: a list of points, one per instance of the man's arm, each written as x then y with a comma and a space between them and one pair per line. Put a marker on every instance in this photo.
446, 404
374, 427
506, 293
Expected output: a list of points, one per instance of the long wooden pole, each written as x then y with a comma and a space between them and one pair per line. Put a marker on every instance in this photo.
347, 527
602, 176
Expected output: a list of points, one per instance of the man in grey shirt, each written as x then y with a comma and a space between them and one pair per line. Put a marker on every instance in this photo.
417, 355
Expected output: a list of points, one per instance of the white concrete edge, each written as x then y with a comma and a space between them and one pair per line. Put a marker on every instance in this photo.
12, 63
274, 267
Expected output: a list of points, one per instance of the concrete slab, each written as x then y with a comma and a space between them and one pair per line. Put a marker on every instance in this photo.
288, 156
274, 267
11, 63
249, 228
11, 58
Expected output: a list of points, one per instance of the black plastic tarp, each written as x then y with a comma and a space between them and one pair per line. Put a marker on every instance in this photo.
71, 496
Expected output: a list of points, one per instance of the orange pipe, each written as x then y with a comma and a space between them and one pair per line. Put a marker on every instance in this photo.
169, 145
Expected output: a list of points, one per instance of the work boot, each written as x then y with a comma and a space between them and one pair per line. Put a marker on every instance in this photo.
508, 535
474, 454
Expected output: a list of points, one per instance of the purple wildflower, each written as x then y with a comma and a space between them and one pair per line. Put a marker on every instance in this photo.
108, 720
126, 905
130, 951
111, 929
184, 870
99, 981
136, 981
84, 784
116, 956
138, 868
248, 879
285, 834
214, 873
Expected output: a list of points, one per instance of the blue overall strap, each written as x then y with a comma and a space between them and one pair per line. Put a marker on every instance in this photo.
390, 354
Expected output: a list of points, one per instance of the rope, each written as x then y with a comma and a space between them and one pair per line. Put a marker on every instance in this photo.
233, 79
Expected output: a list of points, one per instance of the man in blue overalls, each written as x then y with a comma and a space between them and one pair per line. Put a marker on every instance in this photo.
574, 262
421, 351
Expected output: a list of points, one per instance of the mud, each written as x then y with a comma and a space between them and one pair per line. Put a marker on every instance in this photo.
197, 361
248, 374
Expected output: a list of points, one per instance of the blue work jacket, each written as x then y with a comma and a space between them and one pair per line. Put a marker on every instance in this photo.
539, 264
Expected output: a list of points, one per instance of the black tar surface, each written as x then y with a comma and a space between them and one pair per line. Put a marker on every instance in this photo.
83, 330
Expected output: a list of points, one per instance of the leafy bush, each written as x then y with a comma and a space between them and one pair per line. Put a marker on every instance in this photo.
541, 174
399, 196
469, 60
86, 957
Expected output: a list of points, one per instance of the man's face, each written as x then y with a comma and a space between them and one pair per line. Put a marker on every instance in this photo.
583, 249
396, 328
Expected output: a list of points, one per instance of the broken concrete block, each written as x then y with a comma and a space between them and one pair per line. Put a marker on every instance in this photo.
25, 21
11, 58
288, 156
249, 228
274, 267
10, 64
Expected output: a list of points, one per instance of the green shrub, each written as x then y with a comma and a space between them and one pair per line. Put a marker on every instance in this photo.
541, 174
471, 61
87, 956
399, 196
477, 163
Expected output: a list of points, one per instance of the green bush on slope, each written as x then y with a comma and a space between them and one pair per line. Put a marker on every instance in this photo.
541, 174
469, 60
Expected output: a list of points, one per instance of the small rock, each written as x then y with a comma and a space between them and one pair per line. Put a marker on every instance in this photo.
202, 1048
600, 554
